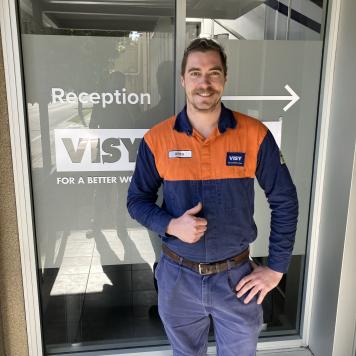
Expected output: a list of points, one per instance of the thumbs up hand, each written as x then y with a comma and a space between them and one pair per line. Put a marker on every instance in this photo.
188, 227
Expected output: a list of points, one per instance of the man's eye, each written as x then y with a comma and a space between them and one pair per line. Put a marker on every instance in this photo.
194, 74
215, 73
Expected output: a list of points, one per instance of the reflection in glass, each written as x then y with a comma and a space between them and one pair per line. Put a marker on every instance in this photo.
255, 19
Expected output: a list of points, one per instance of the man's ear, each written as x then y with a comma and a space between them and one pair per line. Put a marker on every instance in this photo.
182, 81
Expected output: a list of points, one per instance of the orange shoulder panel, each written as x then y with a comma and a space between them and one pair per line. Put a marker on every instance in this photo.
158, 140
204, 160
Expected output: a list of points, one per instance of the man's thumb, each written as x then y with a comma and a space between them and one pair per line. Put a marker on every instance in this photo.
195, 209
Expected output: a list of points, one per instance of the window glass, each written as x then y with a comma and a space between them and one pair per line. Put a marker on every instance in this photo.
271, 45
256, 20
97, 75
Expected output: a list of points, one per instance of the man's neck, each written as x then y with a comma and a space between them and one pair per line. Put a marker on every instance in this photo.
204, 121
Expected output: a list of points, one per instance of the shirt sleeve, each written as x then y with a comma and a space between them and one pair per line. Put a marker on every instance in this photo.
142, 193
274, 178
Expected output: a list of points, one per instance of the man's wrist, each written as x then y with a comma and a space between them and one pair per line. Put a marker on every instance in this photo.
170, 227
277, 273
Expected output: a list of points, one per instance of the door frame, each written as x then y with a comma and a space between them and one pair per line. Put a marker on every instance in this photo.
22, 180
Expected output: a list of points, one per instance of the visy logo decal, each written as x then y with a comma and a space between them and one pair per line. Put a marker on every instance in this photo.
96, 149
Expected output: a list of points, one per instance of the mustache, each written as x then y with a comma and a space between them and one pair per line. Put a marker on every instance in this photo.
204, 91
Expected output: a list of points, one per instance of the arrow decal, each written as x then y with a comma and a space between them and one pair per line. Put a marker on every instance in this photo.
292, 98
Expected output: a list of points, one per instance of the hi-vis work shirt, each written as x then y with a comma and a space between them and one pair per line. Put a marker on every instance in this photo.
219, 172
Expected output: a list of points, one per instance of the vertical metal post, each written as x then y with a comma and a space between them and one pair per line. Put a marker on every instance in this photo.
288, 18
179, 96
276, 18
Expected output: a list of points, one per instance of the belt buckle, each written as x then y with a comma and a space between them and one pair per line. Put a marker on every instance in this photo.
200, 269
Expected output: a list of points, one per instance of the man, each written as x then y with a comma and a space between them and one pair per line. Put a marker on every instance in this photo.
207, 157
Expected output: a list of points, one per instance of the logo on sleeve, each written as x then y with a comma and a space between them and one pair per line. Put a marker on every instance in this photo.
235, 159
281, 158
180, 154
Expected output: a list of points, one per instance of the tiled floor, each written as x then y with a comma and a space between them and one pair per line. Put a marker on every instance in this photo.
289, 352
302, 352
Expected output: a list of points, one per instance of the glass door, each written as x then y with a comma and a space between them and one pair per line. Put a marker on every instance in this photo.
274, 49
97, 75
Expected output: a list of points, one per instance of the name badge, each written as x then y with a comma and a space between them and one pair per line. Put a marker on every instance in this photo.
235, 159
180, 154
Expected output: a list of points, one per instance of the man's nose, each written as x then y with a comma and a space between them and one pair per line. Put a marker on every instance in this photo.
205, 79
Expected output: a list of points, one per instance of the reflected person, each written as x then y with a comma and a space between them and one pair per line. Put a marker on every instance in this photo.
164, 107
207, 158
108, 199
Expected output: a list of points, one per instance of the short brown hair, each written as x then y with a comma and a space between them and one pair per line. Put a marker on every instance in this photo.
204, 45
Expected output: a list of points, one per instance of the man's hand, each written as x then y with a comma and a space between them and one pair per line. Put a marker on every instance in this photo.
188, 227
261, 280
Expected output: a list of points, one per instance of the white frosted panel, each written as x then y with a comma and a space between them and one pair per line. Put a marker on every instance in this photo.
276, 129
83, 157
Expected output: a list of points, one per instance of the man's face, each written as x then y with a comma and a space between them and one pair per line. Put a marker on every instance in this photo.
203, 80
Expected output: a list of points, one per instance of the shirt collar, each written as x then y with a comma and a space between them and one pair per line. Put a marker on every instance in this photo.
226, 120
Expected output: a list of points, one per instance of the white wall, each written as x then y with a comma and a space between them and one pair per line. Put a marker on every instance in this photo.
346, 311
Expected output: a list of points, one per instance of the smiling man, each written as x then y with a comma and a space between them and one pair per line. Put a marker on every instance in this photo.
207, 158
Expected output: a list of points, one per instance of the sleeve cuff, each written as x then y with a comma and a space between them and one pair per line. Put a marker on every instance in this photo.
161, 226
281, 267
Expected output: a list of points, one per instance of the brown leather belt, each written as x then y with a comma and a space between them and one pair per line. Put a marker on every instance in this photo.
207, 268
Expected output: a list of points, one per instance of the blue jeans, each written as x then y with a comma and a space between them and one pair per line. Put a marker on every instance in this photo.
186, 299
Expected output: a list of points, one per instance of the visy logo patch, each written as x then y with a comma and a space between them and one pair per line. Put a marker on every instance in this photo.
235, 159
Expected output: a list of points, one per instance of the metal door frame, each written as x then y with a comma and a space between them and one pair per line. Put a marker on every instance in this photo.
21, 168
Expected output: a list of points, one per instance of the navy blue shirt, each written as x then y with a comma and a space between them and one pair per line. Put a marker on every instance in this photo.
219, 172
